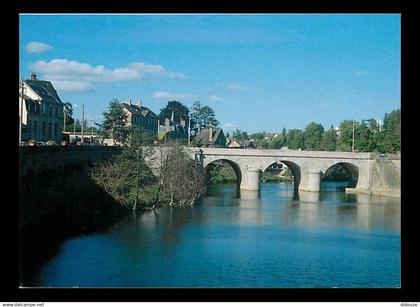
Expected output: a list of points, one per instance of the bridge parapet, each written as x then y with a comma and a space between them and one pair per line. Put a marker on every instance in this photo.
38, 159
285, 153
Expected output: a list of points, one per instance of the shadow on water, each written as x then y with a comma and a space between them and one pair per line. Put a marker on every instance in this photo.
67, 203
294, 242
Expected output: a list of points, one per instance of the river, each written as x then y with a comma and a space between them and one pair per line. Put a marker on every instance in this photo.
270, 238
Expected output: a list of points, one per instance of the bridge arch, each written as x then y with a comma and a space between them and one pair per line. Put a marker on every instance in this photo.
294, 168
236, 168
351, 169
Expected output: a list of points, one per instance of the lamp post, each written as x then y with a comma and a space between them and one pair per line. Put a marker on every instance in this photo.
64, 123
83, 121
352, 144
74, 123
189, 130
135, 206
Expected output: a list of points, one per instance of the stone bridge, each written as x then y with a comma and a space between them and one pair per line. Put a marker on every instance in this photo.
369, 172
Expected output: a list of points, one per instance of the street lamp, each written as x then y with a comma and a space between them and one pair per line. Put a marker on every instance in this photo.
82, 124
83, 121
189, 130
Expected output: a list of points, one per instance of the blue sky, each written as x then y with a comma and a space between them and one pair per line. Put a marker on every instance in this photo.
258, 72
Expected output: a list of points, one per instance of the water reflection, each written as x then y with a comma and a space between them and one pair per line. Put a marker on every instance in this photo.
318, 239
251, 195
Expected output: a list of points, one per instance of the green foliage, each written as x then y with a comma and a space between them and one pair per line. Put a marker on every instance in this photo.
141, 137
346, 136
240, 135
295, 139
178, 180
176, 108
220, 173
202, 116
391, 141
313, 136
115, 121
278, 142
336, 173
329, 140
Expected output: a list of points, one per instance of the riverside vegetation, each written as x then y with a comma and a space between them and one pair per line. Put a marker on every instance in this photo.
176, 181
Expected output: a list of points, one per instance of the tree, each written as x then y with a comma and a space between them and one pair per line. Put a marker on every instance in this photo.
392, 132
345, 138
115, 122
68, 115
295, 139
124, 175
313, 136
279, 140
329, 140
177, 109
209, 117
196, 116
183, 180
203, 117
240, 135
363, 139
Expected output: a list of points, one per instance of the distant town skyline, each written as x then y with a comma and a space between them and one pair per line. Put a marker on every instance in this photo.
259, 72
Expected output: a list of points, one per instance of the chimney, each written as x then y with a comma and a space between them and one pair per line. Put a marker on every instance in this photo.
139, 103
33, 76
129, 102
167, 124
210, 134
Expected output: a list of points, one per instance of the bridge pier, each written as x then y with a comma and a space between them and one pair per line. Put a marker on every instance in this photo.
311, 181
250, 179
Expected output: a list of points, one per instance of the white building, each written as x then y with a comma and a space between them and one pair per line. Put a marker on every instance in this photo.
40, 111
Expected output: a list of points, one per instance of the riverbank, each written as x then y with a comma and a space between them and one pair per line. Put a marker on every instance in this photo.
56, 205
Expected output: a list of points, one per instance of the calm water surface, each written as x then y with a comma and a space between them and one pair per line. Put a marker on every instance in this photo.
265, 239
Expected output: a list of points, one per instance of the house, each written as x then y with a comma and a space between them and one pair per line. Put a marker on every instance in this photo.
139, 116
173, 129
233, 143
41, 110
211, 137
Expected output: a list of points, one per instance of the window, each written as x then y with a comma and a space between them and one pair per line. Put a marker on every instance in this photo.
50, 130
43, 129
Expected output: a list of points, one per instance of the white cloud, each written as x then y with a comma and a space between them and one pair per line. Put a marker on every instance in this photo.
67, 72
236, 87
72, 86
229, 126
214, 98
167, 95
37, 47
157, 70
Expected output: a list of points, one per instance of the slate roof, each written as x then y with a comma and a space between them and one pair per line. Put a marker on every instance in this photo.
203, 136
45, 89
135, 109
